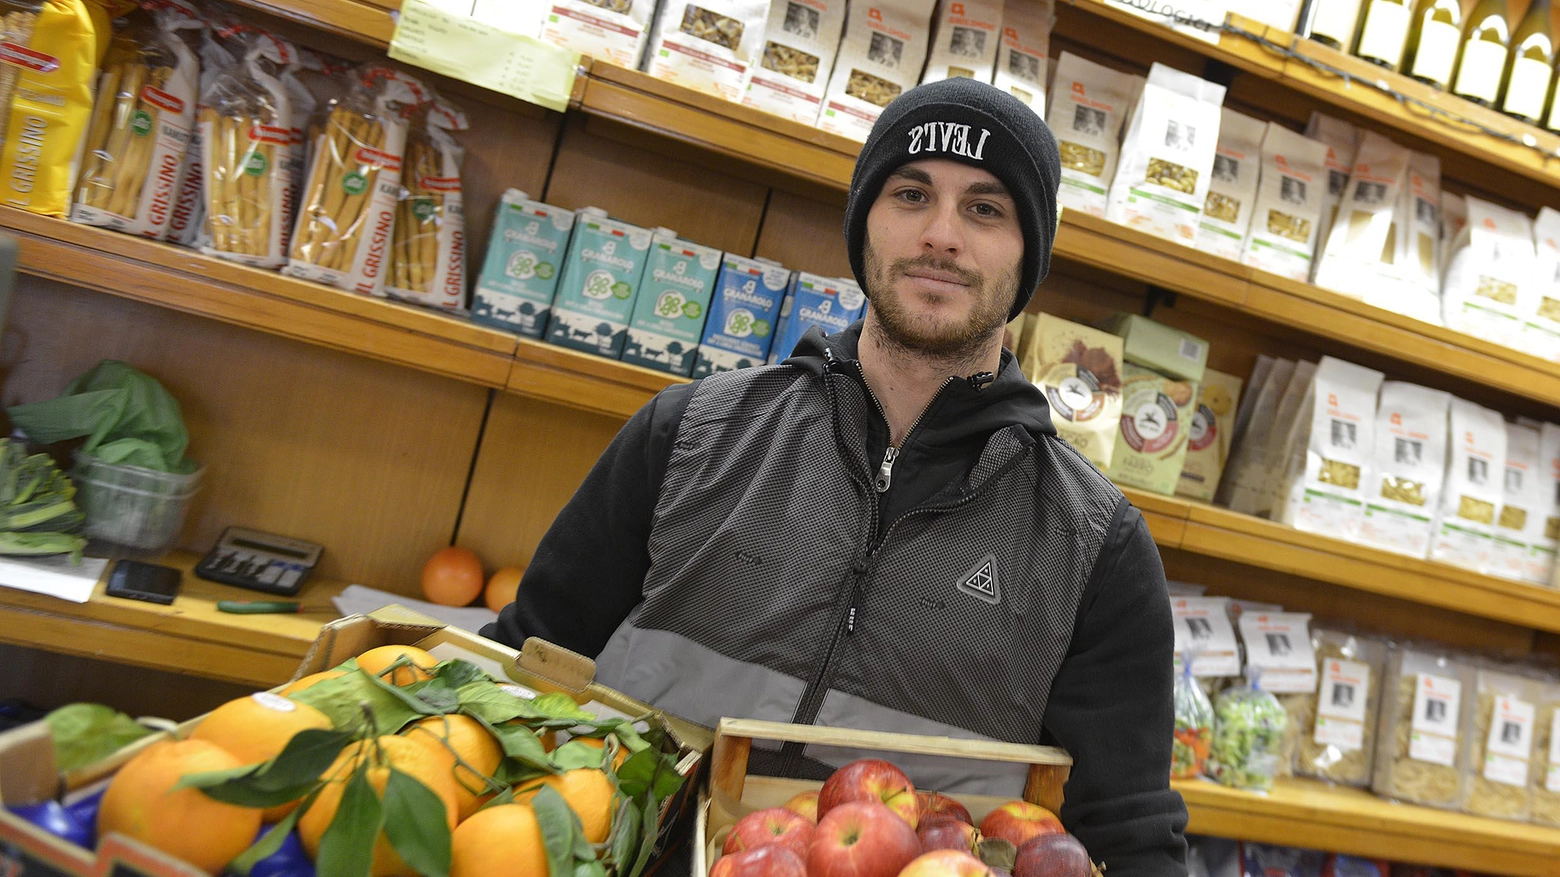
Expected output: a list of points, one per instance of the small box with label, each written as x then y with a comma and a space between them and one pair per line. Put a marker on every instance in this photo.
674, 300
1154, 345
741, 326
600, 277
520, 274
826, 302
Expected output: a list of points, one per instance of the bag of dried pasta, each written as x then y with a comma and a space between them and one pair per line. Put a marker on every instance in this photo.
347, 217
187, 225
1500, 746
1546, 757
246, 139
48, 64
1336, 725
428, 256
1425, 719
133, 161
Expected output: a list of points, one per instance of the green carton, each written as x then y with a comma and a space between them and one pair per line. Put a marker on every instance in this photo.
1154, 345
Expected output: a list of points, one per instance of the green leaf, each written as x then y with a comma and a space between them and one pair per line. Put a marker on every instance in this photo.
85, 733
514, 772
521, 744
497, 706
269, 842
625, 839
408, 695
651, 771
557, 705
651, 817
589, 868
572, 755
559, 827
345, 698
458, 674
438, 697
347, 847
417, 826
293, 773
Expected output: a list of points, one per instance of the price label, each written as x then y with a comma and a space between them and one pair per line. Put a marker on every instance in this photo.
462, 47
1433, 735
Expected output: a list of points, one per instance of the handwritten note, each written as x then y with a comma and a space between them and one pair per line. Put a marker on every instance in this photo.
439, 36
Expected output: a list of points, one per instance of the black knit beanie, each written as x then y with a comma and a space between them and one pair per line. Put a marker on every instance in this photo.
979, 125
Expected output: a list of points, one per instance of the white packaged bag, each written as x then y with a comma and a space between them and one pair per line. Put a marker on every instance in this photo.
1545, 539
1490, 280
1024, 50
1411, 285
707, 45
1290, 425
1291, 199
1232, 187
1088, 104
1167, 157
1407, 468
1246, 474
964, 40
1343, 143
1524, 501
1328, 496
607, 30
1470, 500
1352, 257
880, 57
1541, 321
800, 43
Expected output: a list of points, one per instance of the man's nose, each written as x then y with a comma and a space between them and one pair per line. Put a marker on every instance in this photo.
943, 234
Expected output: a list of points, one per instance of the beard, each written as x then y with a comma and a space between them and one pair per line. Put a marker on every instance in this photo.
931, 335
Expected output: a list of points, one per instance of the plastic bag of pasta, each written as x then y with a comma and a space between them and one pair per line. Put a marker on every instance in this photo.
1546, 757
133, 160
1425, 718
1336, 726
1500, 746
1193, 725
1248, 736
428, 256
51, 54
187, 226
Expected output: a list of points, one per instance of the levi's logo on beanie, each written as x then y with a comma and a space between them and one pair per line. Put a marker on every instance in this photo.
931, 138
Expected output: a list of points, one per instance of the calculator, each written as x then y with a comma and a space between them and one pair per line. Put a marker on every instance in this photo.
260, 561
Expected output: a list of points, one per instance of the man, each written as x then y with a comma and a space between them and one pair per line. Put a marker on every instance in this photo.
884, 531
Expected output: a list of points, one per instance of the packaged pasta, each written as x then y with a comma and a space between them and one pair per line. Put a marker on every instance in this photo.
708, 45
1524, 501
1426, 712
1167, 156
800, 43
1024, 51
1541, 320
1193, 726
1079, 369
1285, 226
1209, 445
1089, 102
1353, 253
1290, 426
1407, 468
187, 225
1342, 141
1248, 735
1470, 502
1545, 537
1328, 467
51, 63
1546, 757
607, 30
1155, 424
1205, 636
1489, 279
428, 249
1258, 379
1337, 722
964, 40
346, 223
1454, 218
1232, 187
880, 56
1411, 284
1246, 473
1500, 746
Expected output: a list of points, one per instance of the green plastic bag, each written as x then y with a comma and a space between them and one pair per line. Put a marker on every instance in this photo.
128, 418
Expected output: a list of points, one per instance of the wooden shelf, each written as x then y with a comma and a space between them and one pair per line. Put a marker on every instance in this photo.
1304, 813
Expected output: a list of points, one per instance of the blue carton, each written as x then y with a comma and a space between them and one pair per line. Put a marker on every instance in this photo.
520, 274
601, 276
743, 313
674, 300
830, 302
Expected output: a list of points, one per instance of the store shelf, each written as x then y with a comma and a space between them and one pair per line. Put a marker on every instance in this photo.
580, 380
188, 636
177, 278
1303, 813
370, 23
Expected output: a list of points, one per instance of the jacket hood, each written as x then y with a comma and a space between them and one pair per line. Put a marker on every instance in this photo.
962, 411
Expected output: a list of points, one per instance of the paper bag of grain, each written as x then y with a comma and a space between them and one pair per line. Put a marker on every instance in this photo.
1080, 370
607, 30
1290, 202
1411, 285
1351, 259
1156, 422
800, 42
1406, 469
880, 56
1024, 50
1290, 425
1167, 157
1490, 282
1454, 218
1088, 104
1470, 503
1328, 496
1545, 538
1342, 141
1232, 189
709, 45
1245, 474
1541, 322
964, 40
1213, 426
1524, 499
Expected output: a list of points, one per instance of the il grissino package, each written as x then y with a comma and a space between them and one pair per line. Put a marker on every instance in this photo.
187, 226
830, 303
1524, 501
1490, 280
607, 30
1470, 501
1352, 256
1088, 104
674, 299
708, 45
428, 251
1328, 496
1156, 423
964, 40
52, 55
601, 275
1541, 323
524, 258
1024, 51
800, 44
1407, 468
880, 56
1232, 187
1291, 200
1080, 371
1213, 425
1167, 157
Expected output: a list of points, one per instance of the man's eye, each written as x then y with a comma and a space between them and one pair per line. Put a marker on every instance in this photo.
988, 211
915, 195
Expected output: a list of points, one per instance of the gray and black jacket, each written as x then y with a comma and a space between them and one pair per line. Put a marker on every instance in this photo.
748, 546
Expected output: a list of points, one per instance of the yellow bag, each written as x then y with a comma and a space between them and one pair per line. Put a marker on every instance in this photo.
48, 60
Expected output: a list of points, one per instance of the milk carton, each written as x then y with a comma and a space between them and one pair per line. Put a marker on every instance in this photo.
748, 294
674, 299
520, 273
596, 293
830, 302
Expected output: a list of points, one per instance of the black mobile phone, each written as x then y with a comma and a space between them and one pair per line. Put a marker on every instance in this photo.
136, 580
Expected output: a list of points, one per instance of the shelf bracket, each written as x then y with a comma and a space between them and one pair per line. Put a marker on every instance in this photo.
1157, 295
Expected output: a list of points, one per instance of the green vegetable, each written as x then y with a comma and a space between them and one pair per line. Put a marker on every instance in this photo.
38, 512
1248, 735
1193, 726
85, 733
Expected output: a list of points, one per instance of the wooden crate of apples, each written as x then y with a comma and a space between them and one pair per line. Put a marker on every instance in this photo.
868, 820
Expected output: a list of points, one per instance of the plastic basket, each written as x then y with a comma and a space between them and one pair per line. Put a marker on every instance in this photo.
131, 505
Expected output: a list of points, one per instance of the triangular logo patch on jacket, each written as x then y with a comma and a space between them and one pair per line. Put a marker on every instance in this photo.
981, 581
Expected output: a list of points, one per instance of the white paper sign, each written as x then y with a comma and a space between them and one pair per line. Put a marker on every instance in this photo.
1552, 782
1510, 743
1434, 731
1202, 624
1279, 644
55, 576
1340, 704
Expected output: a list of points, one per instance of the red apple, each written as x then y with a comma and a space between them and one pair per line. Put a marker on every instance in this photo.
861, 839
931, 804
1053, 855
805, 804
870, 779
1018, 821
946, 863
773, 860
776, 825
947, 833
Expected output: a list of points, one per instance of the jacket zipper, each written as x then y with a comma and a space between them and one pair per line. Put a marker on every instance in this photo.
885, 474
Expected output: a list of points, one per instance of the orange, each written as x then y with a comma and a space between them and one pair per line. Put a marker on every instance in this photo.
309, 680
141, 803
501, 841
254, 729
453, 576
422, 761
588, 792
501, 587
377, 660
472, 752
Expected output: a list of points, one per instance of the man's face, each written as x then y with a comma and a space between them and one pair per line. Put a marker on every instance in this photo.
944, 250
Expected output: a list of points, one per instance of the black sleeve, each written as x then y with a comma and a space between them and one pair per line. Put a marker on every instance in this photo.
589, 570
1111, 708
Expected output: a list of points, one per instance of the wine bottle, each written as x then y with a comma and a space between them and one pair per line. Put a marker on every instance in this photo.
1484, 49
1383, 33
1433, 39
1330, 22
1531, 68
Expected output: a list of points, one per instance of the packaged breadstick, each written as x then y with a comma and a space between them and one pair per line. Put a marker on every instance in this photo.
48, 63
187, 225
428, 253
347, 219
133, 160
246, 139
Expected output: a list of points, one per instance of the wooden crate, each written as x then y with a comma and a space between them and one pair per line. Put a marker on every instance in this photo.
733, 793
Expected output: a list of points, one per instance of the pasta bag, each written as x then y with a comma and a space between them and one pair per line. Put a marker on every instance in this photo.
1328, 466
1360, 236
347, 220
1337, 723
1546, 757
1541, 322
1232, 187
428, 253
187, 223
1424, 722
49, 50
1525, 501
246, 139
1490, 279
133, 164
1407, 468
1463, 533
1500, 746
1168, 156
